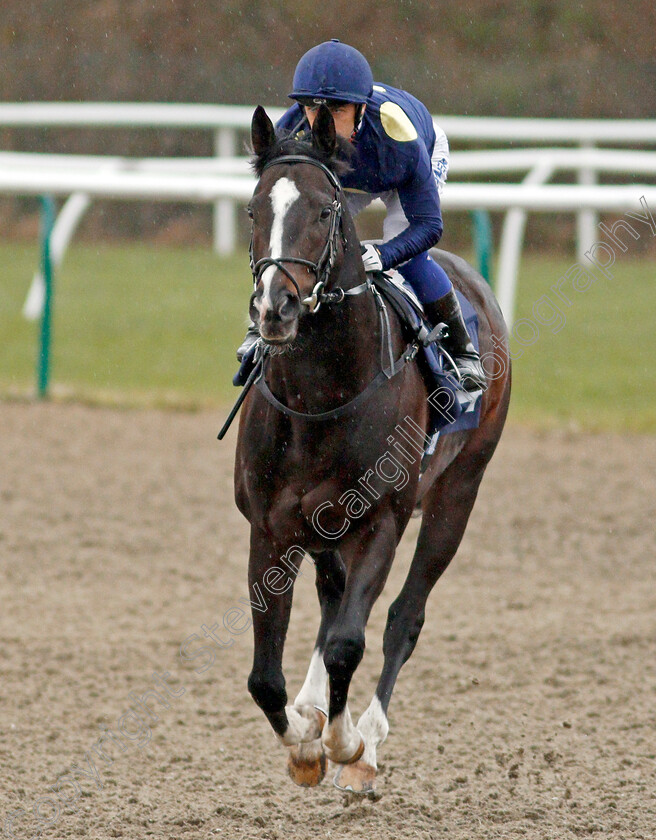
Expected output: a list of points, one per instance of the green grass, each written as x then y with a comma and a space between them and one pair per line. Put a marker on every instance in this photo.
132, 323
138, 324
598, 371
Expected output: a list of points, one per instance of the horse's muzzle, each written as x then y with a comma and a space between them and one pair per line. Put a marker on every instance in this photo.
277, 321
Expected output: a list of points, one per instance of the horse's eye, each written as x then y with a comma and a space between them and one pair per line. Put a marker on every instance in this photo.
325, 214
249, 210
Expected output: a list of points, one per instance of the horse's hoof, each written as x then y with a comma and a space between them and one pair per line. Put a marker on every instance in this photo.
358, 777
306, 764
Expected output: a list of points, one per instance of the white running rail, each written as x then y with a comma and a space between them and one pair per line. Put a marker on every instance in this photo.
224, 179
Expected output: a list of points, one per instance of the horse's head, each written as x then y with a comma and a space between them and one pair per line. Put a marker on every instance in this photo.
296, 213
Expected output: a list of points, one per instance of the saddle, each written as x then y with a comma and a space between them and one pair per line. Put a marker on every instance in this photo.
452, 408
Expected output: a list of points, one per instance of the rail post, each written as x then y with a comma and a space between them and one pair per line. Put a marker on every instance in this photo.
587, 219
512, 238
225, 216
482, 230
45, 334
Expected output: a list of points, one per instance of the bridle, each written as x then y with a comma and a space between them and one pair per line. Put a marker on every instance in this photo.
324, 265
322, 269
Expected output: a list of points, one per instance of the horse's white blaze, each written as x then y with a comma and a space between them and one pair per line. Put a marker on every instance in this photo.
373, 727
283, 194
313, 692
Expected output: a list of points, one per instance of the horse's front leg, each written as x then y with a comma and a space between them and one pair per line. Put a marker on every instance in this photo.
307, 761
368, 555
270, 587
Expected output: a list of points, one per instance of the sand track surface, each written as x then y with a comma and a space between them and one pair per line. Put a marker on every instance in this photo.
528, 709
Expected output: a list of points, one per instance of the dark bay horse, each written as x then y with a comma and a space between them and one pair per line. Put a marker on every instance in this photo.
322, 466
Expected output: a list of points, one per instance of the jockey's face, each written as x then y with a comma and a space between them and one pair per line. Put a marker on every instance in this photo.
343, 114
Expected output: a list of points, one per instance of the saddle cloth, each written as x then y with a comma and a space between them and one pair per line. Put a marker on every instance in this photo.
452, 408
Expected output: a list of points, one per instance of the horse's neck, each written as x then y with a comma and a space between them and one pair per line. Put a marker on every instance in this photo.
337, 352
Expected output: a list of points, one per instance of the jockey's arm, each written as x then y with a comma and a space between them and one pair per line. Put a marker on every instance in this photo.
420, 201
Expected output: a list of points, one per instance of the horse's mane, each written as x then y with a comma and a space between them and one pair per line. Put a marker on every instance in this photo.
286, 144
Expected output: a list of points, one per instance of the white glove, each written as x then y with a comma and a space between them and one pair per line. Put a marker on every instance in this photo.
371, 258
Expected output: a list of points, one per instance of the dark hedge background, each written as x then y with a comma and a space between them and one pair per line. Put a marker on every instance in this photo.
547, 58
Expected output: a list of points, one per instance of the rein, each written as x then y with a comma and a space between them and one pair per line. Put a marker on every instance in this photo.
346, 408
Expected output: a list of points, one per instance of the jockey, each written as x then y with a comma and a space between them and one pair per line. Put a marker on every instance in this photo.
400, 159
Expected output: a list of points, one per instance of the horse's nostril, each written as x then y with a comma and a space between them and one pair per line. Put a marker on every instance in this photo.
255, 304
289, 306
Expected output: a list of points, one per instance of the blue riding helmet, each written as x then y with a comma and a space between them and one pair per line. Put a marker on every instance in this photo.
333, 70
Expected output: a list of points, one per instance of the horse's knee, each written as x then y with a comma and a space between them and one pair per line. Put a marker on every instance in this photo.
268, 691
343, 654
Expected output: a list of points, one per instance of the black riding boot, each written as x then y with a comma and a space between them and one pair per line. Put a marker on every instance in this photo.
252, 335
457, 342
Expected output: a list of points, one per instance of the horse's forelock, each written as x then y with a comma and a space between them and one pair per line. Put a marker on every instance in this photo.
287, 145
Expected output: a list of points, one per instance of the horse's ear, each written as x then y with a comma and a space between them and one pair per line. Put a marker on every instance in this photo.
324, 136
263, 134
